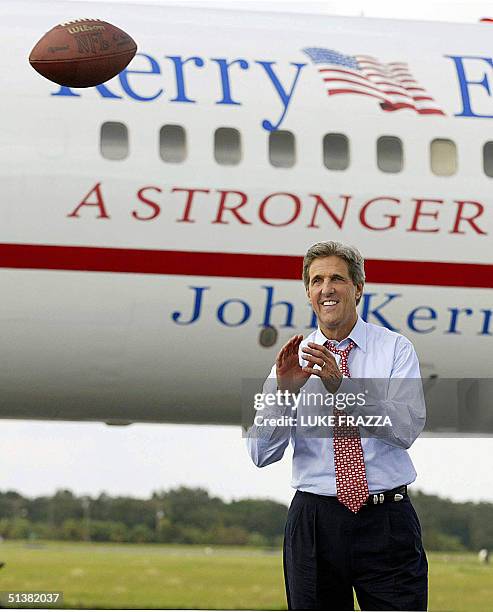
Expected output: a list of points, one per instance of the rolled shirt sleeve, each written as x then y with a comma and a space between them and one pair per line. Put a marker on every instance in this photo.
266, 440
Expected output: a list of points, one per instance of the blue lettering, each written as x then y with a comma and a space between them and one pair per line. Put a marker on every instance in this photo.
485, 331
180, 79
313, 323
366, 312
413, 316
65, 91
464, 83
197, 306
270, 305
283, 95
224, 68
224, 305
454, 318
125, 84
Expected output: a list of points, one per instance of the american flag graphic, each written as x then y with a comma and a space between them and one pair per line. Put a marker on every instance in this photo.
363, 75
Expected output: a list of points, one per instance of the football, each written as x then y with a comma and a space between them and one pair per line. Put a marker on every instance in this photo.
82, 53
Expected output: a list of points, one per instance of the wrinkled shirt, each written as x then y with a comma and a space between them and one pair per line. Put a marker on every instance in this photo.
382, 357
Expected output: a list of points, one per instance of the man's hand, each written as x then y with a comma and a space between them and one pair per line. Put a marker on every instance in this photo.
290, 375
329, 373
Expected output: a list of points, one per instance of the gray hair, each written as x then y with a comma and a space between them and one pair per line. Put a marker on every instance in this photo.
350, 254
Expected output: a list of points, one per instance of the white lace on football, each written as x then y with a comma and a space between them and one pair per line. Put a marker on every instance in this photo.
66, 23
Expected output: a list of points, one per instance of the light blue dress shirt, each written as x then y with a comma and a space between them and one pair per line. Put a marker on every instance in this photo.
379, 354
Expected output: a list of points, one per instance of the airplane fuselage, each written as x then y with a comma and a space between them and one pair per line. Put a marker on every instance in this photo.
140, 266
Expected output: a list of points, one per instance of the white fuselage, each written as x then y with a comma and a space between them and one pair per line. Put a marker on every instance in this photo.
127, 296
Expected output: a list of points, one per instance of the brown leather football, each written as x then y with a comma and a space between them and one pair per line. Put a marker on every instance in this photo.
82, 53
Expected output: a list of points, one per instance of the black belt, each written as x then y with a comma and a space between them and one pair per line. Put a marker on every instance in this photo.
393, 495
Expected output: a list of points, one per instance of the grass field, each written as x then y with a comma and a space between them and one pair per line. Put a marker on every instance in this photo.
160, 576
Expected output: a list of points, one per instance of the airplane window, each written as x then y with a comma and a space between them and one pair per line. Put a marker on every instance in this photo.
114, 140
389, 154
443, 157
281, 149
488, 158
336, 151
172, 144
227, 146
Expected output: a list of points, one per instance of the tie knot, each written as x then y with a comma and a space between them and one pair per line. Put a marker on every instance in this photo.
343, 353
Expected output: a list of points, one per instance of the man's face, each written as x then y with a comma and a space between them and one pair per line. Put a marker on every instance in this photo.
332, 293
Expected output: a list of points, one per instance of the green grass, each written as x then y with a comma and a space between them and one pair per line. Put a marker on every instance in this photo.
159, 576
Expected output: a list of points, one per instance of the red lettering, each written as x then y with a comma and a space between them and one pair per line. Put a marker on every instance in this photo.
153, 205
459, 217
319, 202
188, 204
233, 209
393, 218
99, 203
294, 216
419, 213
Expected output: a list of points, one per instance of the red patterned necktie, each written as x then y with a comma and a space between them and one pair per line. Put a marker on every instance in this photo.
351, 483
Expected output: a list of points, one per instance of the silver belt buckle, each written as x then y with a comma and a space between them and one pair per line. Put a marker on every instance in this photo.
382, 498
375, 499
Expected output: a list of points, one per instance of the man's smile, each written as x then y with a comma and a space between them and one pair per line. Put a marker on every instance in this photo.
329, 305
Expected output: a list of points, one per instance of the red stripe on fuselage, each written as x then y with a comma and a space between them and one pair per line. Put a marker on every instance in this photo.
235, 265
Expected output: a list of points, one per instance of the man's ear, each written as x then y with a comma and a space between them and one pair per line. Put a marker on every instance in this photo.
359, 290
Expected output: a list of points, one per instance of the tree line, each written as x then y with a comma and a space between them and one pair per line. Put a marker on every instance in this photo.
192, 516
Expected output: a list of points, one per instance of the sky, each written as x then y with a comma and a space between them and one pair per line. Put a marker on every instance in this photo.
440, 10
88, 458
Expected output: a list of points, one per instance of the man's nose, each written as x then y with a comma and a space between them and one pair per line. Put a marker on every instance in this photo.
328, 287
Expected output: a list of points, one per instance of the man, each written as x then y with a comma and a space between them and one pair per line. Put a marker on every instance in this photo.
351, 523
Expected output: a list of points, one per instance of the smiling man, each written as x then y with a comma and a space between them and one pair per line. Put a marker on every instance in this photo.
351, 523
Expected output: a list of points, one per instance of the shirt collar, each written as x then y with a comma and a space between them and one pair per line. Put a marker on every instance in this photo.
357, 335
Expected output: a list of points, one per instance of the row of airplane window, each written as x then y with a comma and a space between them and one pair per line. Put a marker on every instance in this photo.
114, 144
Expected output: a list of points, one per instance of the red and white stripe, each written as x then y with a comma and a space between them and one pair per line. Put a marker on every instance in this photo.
231, 265
392, 84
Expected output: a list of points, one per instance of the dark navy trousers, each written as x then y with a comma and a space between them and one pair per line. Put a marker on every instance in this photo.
328, 550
